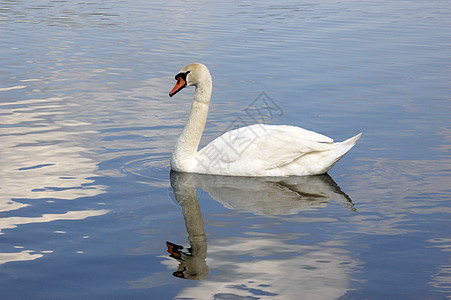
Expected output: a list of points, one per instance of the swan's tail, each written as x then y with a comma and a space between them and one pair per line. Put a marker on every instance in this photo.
350, 142
342, 148
345, 146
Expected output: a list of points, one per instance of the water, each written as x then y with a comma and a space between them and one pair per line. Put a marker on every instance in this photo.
87, 130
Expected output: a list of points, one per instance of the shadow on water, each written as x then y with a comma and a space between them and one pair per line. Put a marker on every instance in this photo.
268, 196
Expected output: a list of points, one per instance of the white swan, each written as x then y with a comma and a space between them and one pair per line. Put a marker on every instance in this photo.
256, 150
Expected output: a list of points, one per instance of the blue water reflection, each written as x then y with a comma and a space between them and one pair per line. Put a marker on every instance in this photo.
87, 130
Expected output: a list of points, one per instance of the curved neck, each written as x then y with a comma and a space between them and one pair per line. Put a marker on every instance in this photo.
188, 142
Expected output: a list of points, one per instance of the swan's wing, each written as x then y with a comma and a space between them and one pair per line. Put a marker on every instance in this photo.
262, 147
283, 144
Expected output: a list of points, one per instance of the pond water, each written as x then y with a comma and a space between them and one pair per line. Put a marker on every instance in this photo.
90, 209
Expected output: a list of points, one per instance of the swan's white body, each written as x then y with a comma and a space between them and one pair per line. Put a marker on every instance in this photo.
256, 150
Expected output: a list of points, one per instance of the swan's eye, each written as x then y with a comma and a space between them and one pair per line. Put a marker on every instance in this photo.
182, 75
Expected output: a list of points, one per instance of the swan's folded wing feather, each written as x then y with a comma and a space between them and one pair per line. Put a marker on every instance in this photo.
283, 145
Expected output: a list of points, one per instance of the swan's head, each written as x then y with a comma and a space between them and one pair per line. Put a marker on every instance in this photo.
190, 75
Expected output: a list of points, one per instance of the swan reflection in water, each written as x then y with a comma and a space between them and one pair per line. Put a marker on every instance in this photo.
257, 195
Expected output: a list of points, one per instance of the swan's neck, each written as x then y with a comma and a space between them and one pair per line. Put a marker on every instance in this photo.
188, 142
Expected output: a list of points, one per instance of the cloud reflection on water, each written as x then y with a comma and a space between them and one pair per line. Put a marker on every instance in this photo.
42, 158
13, 222
24, 255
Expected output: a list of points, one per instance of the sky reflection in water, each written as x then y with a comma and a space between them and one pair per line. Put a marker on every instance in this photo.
87, 129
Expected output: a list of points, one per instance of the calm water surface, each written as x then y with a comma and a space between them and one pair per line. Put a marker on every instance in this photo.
89, 208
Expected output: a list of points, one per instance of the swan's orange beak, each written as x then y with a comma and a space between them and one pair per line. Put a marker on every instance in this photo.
181, 83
